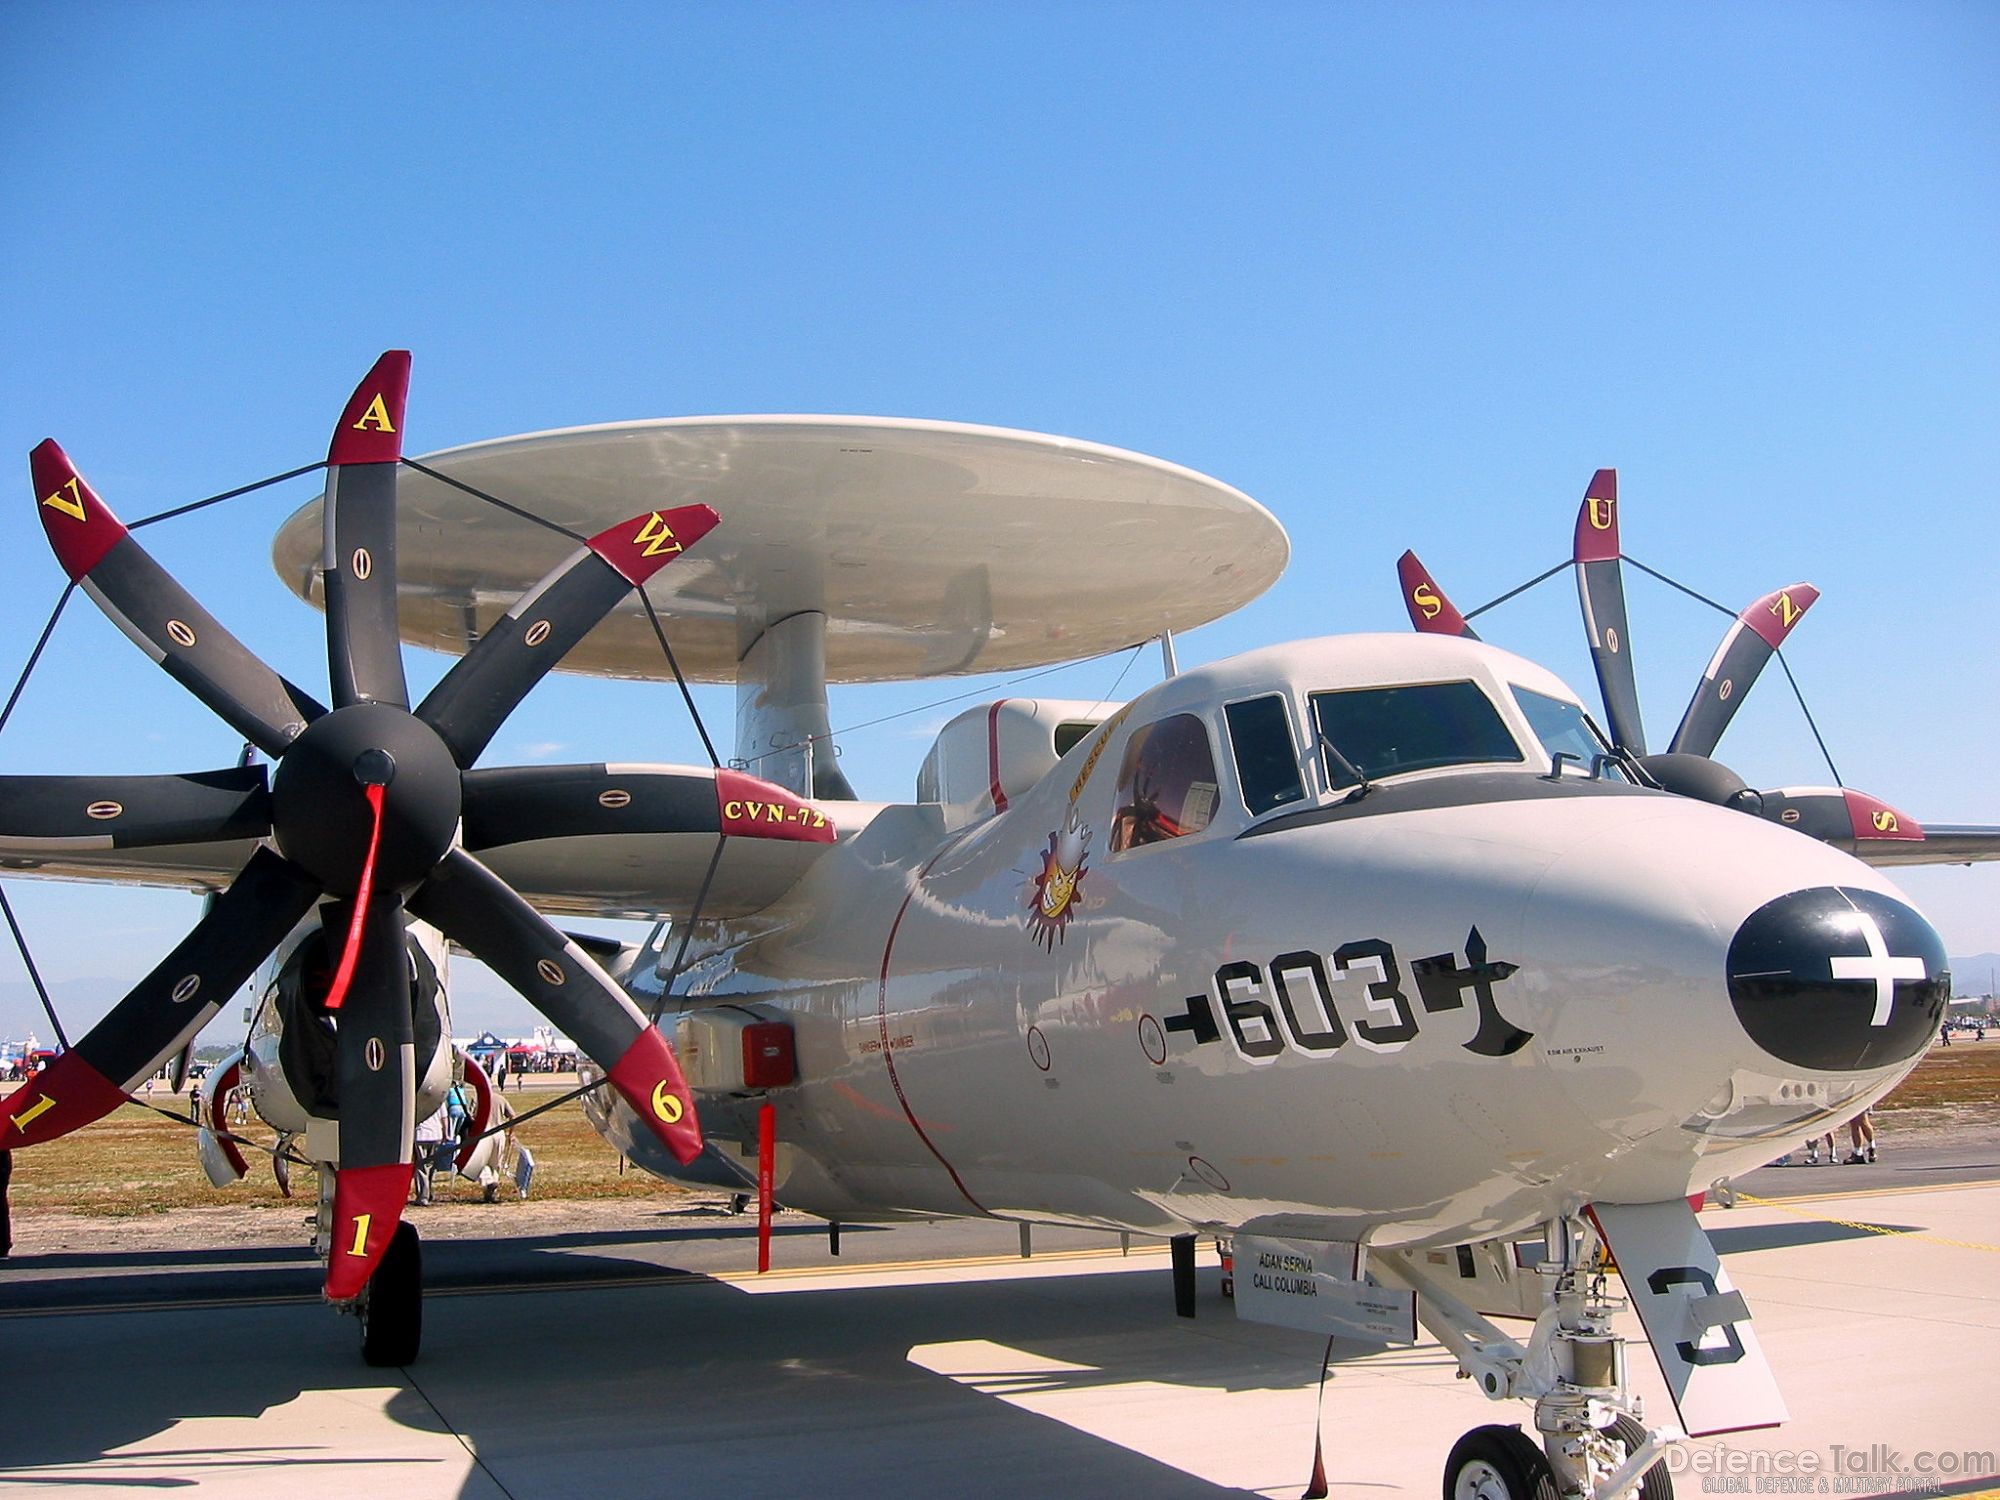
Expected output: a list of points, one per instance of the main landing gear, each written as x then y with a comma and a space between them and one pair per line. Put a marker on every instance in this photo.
1593, 1443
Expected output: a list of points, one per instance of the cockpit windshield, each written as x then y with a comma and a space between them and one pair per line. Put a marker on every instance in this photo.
1563, 729
1385, 731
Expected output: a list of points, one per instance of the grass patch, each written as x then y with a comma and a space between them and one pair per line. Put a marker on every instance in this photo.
136, 1161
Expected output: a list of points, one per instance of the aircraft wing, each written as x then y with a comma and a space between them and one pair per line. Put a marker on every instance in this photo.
578, 840
1941, 844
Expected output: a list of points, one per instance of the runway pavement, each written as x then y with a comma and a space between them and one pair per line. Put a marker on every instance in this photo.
932, 1360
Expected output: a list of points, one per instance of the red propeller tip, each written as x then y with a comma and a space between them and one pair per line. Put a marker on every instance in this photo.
66, 1095
1874, 820
649, 1078
1430, 611
371, 428
1774, 615
756, 809
81, 527
1597, 520
367, 1206
640, 547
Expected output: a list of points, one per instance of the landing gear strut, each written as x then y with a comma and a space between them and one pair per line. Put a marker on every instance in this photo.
391, 1306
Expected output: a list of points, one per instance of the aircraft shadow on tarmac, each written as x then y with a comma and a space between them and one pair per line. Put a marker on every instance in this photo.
699, 1387
1735, 1239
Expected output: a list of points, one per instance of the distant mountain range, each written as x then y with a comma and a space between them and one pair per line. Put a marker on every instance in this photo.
1977, 975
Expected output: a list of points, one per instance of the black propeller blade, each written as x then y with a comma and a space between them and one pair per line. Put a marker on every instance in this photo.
159, 615
377, 1071
364, 650
1601, 588
1746, 647
1841, 816
478, 693
166, 1008
479, 911
136, 812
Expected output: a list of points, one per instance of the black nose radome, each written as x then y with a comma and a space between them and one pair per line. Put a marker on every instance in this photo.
1838, 979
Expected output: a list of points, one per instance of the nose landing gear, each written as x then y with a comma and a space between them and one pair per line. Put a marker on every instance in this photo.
1497, 1463
1593, 1442
390, 1308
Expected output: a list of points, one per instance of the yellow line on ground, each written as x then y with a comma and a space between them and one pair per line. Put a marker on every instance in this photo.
1861, 1224
1887, 1192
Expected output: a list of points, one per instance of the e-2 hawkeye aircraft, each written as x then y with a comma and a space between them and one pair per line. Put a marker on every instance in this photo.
1368, 952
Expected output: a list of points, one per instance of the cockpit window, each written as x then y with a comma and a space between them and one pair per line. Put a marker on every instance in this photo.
1166, 786
1383, 731
1267, 760
1563, 729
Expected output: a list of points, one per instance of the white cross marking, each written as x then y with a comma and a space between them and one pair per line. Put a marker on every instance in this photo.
1878, 966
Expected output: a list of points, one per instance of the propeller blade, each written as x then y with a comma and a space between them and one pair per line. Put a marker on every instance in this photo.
477, 694
364, 649
378, 1095
134, 812
1601, 588
161, 617
521, 804
1746, 647
1430, 611
1840, 816
482, 914
167, 1007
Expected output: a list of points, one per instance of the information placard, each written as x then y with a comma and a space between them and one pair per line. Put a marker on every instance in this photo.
1311, 1285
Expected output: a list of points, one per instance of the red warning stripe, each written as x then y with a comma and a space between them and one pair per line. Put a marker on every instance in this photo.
993, 754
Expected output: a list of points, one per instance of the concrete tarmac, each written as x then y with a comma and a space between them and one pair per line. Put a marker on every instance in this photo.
980, 1376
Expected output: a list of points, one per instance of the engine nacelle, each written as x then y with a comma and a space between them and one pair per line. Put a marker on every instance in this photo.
290, 1065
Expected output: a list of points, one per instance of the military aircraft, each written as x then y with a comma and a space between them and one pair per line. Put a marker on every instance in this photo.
1370, 953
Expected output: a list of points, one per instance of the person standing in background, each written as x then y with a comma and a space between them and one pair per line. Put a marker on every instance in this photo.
1861, 1135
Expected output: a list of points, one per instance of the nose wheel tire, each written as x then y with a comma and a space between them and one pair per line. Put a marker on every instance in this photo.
1656, 1483
392, 1306
1497, 1463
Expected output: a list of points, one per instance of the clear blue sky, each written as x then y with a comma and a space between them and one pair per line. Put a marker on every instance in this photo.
1406, 274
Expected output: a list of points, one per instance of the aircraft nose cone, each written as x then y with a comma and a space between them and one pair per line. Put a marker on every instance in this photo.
1838, 979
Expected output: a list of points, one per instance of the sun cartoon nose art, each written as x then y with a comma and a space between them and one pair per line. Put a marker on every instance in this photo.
1838, 979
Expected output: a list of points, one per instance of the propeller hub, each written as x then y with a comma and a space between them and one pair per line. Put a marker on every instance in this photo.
319, 810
